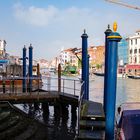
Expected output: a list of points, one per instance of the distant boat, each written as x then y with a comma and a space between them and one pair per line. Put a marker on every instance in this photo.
99, 73
133, 76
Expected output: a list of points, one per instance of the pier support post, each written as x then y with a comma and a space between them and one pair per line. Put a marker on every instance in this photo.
38, 75
59, 78
107, 32
85, 64
45, 111
30, 67
24, 70
113, 39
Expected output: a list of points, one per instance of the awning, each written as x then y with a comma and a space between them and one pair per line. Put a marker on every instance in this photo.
3, 61
132, 66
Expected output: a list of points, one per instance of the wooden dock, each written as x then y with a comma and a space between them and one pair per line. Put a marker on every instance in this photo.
92, 121
39, 96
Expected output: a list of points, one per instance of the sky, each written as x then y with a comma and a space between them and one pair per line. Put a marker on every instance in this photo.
53, 25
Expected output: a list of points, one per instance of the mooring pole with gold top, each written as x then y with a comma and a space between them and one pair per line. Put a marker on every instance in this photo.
113, 40
107, 32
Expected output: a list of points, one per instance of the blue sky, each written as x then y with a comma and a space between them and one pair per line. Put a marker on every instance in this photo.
50, 25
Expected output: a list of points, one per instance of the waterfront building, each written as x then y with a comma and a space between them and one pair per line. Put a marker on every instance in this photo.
43, 63
96, 54
122, 52
133, 67
2, 48
68, 56
14, 60
122, 56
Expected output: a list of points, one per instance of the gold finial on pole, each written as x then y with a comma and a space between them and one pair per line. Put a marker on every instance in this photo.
115, 26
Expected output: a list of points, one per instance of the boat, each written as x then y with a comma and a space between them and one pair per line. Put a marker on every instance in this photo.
134, 76
98, 73
128, 123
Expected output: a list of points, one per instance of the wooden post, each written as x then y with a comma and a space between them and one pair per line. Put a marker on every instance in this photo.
38, 75
59, 78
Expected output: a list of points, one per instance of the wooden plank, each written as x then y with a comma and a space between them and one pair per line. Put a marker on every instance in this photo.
39, 96
91, 135
93, 125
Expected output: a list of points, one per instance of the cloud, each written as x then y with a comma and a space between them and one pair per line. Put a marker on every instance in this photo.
34, 15
63, 27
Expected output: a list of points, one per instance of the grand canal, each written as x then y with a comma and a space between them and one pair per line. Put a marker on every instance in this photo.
128, 90
64, 127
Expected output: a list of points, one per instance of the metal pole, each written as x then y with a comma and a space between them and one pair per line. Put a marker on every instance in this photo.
24, 70
106, 86
84, 63
113, 39
30, 67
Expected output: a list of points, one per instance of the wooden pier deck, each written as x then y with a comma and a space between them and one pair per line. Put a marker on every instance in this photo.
92, 121
41, 96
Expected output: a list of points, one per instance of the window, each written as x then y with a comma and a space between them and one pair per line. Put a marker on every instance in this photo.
135, 59
135, 51
130, 59
136, 41
131, 42
131, 51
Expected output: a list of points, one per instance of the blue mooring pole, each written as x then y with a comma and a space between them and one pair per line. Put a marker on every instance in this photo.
30, 66
107, 32
84, 63
113, 39
24, 70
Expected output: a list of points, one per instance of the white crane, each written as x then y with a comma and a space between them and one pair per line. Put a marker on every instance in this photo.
123, 4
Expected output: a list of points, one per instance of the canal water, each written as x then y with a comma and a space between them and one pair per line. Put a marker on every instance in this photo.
128, 90
64, 127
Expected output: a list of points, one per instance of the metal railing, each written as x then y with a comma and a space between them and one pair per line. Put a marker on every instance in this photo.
13, 85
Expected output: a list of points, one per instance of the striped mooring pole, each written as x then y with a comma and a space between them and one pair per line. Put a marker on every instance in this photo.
111, 72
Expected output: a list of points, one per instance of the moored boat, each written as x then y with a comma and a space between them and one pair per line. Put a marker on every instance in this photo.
98, 73
134, 76
128, 125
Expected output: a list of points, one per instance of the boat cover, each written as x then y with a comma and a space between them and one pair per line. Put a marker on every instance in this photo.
130, 124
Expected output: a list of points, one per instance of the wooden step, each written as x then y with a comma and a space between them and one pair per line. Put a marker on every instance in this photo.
13, 120
92, 125
4, 116
28, 133
13, 131
91, 135
92, 111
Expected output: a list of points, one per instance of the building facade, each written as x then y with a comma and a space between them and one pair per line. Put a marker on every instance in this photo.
122, 52
133, 67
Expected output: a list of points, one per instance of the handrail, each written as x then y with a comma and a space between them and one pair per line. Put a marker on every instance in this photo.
11, 84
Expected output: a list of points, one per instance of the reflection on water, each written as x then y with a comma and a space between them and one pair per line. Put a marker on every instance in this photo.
60, 122
128, 90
